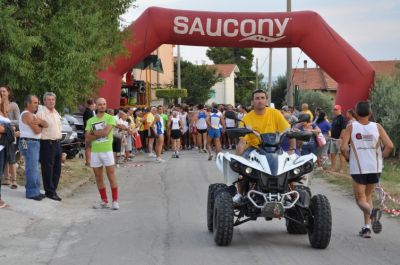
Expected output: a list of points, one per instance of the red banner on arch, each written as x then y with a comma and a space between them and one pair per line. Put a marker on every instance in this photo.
303, 29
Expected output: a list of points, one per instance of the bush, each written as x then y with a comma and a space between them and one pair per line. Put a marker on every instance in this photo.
171, 94
316, 99
385, 98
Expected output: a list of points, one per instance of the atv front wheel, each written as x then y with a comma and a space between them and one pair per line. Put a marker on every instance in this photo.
212, 188
320, 222
223, 218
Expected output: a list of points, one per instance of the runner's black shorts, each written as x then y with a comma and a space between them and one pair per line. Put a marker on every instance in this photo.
201, 131
152, 134
176, 134
364, 179
116, 145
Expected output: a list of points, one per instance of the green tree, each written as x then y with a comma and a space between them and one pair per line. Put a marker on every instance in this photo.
278, 92
316, 99
58, 46
385, 97
246, 78
198, 80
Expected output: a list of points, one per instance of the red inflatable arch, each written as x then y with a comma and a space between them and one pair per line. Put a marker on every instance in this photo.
304, 29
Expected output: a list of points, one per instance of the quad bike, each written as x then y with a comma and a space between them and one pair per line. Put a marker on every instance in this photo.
273, 188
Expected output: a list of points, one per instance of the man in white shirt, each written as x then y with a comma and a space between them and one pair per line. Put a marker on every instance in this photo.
50, 147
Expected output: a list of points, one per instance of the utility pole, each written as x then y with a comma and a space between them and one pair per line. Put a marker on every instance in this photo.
270, 77
256, 73
158, 73
289, 86
179, 70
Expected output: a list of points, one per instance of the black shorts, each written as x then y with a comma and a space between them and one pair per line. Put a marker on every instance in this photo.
176, 134
116, 144
152, 134
365, 179
202, 131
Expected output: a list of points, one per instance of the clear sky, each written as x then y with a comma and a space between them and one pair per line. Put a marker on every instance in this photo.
371, 27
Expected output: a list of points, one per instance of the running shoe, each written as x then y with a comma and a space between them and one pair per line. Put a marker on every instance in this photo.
160, 160
376, 215
152, 155
101, 205
210, 157
365, 232
115, 205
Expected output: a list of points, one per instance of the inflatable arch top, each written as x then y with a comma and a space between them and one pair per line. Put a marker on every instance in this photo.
304, 29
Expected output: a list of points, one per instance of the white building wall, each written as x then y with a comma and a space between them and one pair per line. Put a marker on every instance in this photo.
230, 90
224, 91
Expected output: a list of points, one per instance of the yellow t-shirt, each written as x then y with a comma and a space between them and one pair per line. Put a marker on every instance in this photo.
309, 113
270, 122
149, 120
139, 120
132, 122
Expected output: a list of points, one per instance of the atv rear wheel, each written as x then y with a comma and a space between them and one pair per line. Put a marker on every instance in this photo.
212, 188
293, 227
320, 222
223, 218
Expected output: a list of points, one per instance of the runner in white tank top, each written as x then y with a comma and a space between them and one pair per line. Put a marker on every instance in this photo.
366, 152
175, 124
365, 139
201, 127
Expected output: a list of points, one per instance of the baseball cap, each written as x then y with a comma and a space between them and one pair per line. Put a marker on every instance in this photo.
285, 108
337, 107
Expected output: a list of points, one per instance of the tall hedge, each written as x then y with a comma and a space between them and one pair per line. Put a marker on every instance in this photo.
385, 99
316, 99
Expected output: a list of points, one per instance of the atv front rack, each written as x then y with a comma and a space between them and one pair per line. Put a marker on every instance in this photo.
288, 200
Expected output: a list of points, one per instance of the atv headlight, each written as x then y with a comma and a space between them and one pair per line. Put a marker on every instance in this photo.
248, 170
296, 171
308, 167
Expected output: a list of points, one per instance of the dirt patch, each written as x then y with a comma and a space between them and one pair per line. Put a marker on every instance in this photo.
73, 171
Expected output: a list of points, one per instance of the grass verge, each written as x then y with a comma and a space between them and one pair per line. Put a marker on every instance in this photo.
73, 171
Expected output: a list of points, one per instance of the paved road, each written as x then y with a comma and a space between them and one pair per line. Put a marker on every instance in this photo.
162, 221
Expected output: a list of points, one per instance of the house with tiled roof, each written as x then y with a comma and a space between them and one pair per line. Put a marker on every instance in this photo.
317, 79
223, 92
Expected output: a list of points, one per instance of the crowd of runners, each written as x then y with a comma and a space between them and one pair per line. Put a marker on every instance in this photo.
175, 128
204, 128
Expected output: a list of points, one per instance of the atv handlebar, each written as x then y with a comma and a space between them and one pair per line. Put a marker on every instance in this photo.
264, 139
